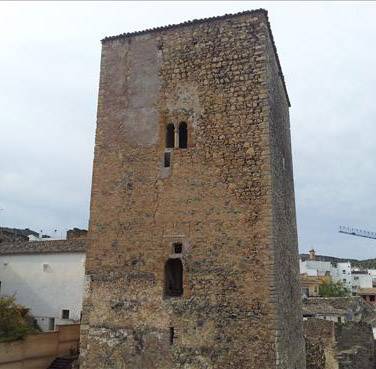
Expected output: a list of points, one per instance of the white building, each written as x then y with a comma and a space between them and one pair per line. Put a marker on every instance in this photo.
372, 273
361, 279
342, 273
46, 277
315, 268
338, 271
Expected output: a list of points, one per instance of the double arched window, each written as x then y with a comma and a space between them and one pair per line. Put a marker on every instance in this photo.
182, 136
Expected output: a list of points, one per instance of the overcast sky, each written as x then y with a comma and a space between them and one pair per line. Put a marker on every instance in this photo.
49, 70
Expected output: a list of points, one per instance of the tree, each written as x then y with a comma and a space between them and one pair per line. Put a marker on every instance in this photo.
15, 320
328, 288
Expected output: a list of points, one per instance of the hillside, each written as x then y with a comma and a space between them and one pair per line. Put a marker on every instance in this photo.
364, 264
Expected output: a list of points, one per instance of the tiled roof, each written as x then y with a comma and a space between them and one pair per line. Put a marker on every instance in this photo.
43, 247
322, 308
334, 305
367, 291
187, 23
206, 20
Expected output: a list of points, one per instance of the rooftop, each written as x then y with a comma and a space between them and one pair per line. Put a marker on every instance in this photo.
43, 247
322, 306
187, 23
263, 12
367, 291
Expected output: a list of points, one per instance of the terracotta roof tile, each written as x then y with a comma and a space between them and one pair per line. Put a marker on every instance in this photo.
43, 247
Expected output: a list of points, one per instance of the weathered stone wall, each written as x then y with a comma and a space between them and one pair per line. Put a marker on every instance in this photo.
286, 282
216, 199
347, 345
321, 333
315, 354
355, 346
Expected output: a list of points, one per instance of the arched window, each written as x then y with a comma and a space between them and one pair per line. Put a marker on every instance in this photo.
173, 278
183, 135
170, 136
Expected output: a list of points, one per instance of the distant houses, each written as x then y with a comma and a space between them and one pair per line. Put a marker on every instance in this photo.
316, 269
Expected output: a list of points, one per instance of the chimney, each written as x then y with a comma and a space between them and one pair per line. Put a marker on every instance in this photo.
312, 254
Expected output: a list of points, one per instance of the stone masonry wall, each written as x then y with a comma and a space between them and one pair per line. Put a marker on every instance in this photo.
320, 333
287, 292
216, 199
315, 355
355, 346
347, 345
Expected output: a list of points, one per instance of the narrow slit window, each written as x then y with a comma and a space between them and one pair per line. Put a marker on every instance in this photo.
167, 159
174, 278
172, 335
183, 135
170, 136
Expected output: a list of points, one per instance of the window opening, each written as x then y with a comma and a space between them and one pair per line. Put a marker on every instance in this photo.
178, 248
170, 136
167, 159
172, 335
183, 135
65, 314
173, 278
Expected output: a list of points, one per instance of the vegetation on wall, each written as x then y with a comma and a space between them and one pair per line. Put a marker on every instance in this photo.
329, 288
15, 320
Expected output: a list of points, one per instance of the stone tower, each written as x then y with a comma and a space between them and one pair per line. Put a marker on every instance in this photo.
193, 260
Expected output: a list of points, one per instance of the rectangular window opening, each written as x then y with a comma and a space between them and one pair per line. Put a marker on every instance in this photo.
178, 248
167, 159
65, 314
172, 335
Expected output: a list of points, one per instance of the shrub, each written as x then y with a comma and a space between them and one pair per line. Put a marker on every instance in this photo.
15, 320
330, 289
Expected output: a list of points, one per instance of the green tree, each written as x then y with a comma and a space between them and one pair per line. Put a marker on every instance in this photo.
331, 289
15, 320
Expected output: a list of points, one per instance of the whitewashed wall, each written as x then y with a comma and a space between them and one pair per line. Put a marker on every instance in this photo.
45, 283
361, 281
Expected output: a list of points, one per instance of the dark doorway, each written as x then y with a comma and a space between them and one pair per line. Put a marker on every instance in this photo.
173, 278
183, 135
170, 136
